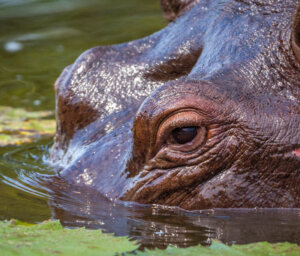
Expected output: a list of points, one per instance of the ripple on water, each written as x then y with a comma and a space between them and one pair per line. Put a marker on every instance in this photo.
21, 191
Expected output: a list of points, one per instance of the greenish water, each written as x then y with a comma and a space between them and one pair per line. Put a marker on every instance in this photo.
51, 34
38, 38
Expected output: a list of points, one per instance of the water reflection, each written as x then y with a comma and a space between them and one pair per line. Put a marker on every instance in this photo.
159, 226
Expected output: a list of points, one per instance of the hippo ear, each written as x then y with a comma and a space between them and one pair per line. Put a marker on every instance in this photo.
296, 34
172, 8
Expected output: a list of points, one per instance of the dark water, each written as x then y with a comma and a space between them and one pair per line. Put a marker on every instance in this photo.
37, 39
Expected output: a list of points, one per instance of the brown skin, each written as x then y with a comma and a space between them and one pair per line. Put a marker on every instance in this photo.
202, 114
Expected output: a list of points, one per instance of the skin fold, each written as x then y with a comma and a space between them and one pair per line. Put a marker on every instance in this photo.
202, 114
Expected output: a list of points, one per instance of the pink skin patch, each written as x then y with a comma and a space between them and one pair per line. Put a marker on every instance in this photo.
297, 152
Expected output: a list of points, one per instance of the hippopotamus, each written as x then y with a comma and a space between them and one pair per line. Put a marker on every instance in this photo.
201, 114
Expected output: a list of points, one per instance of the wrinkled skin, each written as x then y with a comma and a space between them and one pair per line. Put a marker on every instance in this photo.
225, 74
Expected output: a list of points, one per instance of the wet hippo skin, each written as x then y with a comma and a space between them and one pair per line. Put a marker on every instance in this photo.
202, 114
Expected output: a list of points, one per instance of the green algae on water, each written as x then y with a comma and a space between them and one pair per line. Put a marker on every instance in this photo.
50, 238
18, 126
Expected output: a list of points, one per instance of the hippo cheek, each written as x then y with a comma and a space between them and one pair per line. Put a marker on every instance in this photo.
161, 182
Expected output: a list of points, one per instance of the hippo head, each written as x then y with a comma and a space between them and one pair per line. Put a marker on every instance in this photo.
202, 114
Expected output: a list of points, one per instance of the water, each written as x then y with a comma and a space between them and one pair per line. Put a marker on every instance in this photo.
38, 38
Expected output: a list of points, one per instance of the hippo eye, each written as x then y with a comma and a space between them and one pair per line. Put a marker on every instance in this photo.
184, 135
182, 131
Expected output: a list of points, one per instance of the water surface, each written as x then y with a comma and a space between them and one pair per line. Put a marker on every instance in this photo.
38, 38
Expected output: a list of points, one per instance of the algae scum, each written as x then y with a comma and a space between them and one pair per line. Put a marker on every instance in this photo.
38, 38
